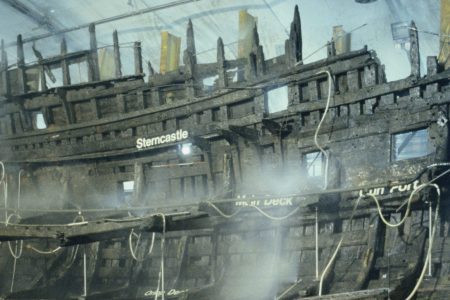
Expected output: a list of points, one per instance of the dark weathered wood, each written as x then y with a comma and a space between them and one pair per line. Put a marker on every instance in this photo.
221, 64
68, 109
21, 78
94, 70
138, 70
94, 108
414, 54
331, 49
139, 184
189, 63
5, 88
151, 71
190, 42
245, 132
250, 68
64, 63
117, 61
296, 35
260, 61
42, 71
293, 45
432, 65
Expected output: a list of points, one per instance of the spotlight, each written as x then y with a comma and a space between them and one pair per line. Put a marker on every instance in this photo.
186, 149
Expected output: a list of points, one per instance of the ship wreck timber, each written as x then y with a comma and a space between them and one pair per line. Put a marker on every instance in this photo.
342, 194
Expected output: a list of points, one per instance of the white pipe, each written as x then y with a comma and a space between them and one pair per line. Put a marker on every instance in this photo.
84, 273
430, 212
316, 142
317, 246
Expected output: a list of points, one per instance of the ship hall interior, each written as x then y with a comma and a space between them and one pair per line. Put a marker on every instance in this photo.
225, 149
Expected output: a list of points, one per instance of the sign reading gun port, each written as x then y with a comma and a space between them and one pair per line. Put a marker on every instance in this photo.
177, 136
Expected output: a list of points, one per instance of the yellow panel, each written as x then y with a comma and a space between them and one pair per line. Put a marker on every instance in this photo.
170, 52
444, 53
246, 24
341, 40
106, 63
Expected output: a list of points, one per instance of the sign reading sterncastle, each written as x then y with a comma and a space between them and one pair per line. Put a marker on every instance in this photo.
177, 136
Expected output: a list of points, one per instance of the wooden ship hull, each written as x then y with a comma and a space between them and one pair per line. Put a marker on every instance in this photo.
247, 213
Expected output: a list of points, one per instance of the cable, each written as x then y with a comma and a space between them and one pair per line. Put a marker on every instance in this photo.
320, 124
337, 248
130, 242
408, 207
430, 245
435, 165
276, 17
429, 32
431, 181
288, 289
392, 225
221, 213
161, 273
84, 273
255, 207
275, 218
13, 276
3, 171
106, 20
19, 189
5, 195
53, 251
150, 250
16, 254
321, 47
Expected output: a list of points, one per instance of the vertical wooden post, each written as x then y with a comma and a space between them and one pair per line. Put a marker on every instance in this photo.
190, 61
42, 77
117, 62
94, 107
331, 49
260, 61
64, 64
294, 45
251, 70
151, 71
190, 41
221, 64
120, 102
139, 183
4, 78
67, 106
138, 70
414, 54
94, 71
21, 80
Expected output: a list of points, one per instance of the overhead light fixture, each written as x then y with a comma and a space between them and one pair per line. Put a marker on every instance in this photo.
400, 34
186, 149
365, 1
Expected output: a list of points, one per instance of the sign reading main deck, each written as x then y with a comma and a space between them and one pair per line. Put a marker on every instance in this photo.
274, 202
177, 136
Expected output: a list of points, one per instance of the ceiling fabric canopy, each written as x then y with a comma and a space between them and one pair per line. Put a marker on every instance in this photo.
218, 18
